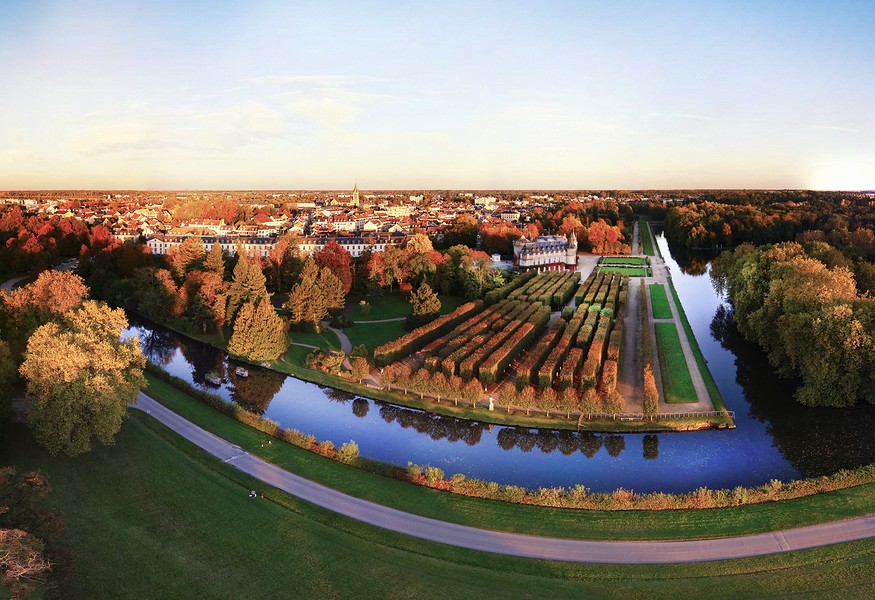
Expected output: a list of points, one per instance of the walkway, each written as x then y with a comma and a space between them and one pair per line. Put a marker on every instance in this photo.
383, 320
9, 284
513, 544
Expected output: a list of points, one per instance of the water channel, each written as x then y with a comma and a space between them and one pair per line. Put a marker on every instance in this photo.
775, 437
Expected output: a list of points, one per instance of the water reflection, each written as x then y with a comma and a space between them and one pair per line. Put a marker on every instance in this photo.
255, 391
651, 446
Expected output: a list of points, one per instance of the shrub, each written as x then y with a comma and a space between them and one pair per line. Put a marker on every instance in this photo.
348, 452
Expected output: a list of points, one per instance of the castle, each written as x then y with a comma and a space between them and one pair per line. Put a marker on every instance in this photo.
546, 253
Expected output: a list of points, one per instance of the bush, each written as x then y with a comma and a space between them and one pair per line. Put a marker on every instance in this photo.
348, 452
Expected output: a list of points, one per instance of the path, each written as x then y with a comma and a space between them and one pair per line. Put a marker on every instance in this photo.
383, 320
9, 284
513, 544
630, 381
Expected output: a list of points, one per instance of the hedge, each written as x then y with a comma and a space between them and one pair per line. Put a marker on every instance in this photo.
568, 369
609, 376
536, 355
504, 291
411, 342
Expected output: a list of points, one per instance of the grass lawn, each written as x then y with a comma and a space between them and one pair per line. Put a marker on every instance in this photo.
395, 305
153, 517
623, 260
659, 302
490, 514
628, 271
325, 339
374, 334
646, 237
713, 390
675, 375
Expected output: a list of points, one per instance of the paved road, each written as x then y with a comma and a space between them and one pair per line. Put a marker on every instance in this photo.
10, 283
502, 542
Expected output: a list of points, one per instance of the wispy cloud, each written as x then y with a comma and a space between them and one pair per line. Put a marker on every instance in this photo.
835, 128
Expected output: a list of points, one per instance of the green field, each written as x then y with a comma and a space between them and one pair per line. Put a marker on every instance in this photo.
659, 302
623, 260
393, 305
374, 334
628, 271
646, 237
675, 375
713, 390
324, 339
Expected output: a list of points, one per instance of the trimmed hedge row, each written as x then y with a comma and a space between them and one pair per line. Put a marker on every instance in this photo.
411, 342
557, 355
505, 290
568, 369
609, 376
468, 367
584, 288
536, 355
497, 362
462, 329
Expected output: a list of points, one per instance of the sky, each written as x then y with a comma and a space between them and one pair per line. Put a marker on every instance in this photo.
212, 94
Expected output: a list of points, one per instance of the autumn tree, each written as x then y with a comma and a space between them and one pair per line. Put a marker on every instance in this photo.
188, 255
614, 403
425, 303
590, 403
337, 260
360, 368
527, 398
215, 261
259, 333
80, 378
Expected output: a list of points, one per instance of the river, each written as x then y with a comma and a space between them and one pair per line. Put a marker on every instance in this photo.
775, 437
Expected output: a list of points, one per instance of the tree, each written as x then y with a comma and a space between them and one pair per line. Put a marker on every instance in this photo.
25, 567
548, 400
311, 298
80, 378
590, 402
215, 260
259, 333
651, 394
360, 368
568, 401
337, 260
394, 265
614, 403
425, 302
188, 255
387, 375
247, 285
527, 398
472, 392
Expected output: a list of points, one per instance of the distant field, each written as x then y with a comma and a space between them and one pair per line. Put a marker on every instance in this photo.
394, 305
623, 260
675, 375
628, 271
659, 302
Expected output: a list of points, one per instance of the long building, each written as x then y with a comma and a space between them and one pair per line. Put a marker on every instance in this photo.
261, 246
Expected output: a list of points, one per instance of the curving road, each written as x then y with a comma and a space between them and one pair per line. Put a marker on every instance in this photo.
509, 543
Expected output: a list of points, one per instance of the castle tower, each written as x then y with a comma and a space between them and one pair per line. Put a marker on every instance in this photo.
571, 252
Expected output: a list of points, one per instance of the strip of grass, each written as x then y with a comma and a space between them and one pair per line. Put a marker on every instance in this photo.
153, 517
628, 271
623, 260
490, 514
713, 390
324, 339
394, 305
659, 302
675, 375
374, 334
646, 237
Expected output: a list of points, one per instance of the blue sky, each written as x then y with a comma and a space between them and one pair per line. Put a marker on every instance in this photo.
211, 94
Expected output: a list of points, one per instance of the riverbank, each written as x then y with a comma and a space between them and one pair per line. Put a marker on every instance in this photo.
292, 364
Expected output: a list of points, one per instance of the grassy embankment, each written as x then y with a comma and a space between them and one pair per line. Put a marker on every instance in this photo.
628, 271
713, 390
659, 301
153, 517
491, 514
675, 374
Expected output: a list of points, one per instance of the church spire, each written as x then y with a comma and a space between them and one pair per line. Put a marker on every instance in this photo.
355, 195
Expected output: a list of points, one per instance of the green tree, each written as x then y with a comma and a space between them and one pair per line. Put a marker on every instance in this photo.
247, 285
590, 403
360, 368
215, 260
80, 378
314, 295
187, 256
425, 302
614, 403
259, 333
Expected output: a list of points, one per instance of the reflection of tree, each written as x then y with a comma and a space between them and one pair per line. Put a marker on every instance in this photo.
388, 412
507, 438
255, 392
339, 396
816, 441
360, 407
202, 358
526, 440
567, 443
651, 447
692, 262
614, 444
547, 440
158, 345
590, 443
435, 426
